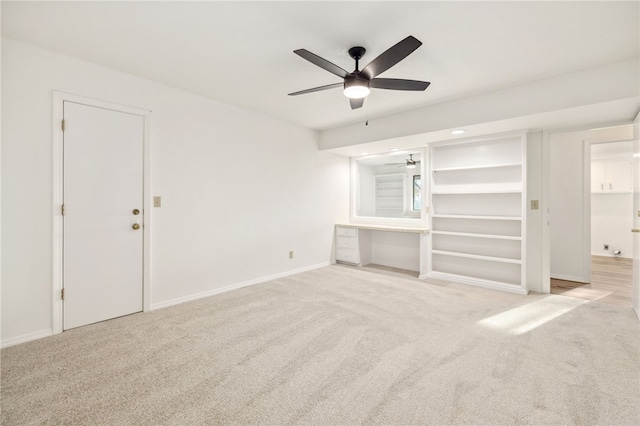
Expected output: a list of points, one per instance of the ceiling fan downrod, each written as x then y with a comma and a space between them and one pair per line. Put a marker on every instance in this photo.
357, 53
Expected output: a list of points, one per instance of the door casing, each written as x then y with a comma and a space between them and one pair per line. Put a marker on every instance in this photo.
58, 157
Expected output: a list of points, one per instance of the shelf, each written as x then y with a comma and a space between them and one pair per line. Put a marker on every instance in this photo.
476, 256
467, 234
465, 168
458, 216
478, 193
394, 228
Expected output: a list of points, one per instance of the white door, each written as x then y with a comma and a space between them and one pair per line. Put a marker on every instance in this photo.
103, 199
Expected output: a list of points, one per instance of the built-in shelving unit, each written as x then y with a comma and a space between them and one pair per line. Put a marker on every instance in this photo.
477, 215
389, 195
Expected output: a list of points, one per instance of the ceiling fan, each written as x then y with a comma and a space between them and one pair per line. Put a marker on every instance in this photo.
410, 163
357, 84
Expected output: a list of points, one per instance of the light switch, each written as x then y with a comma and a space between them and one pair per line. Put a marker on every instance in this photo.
157, 201
534, 204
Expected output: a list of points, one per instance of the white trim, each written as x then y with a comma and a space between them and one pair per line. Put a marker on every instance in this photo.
58, 156
354, 196
569, 278
57, 230
236, 286
586, 210
545, 196
396, 265
26, 338
479, 282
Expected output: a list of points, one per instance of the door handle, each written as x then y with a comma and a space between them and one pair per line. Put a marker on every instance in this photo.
136, 226
136, 212
635, 230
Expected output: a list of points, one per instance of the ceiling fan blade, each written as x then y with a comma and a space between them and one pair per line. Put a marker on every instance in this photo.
356, 103
317, 89
321, 62
391, 56
398, 84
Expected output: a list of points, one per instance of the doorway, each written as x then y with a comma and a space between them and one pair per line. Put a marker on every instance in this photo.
597, 262
101, 258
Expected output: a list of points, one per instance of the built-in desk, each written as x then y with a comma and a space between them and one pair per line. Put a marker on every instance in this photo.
354, 246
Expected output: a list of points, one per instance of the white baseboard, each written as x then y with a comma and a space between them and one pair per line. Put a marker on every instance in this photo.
397, 265
569, 278
236, 286
610, 255
49, 332
477, 282
26, 338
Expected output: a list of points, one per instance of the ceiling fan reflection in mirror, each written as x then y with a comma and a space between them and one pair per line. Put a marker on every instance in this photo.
409, 163
357, 84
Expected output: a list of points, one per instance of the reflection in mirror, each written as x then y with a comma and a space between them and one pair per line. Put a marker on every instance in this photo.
390, 185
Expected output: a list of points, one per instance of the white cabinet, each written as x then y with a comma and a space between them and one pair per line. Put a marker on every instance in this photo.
352, 246
611, 176
478, 211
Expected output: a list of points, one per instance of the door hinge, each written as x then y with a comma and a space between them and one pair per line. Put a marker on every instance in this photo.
62, 210
62, 126
62, 294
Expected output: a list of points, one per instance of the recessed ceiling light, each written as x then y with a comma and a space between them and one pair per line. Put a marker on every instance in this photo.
364, 153
458, 131
394, 149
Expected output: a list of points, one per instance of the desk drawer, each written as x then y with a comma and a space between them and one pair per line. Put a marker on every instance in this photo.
347, 255
347, 242
346, 232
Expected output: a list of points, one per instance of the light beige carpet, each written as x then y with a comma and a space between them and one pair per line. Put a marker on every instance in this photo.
337, 346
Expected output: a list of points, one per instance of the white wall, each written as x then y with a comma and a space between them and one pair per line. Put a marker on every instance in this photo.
569, 198
217, 226
396, 249
611, 220
612, 214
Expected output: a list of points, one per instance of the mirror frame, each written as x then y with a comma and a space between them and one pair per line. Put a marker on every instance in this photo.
417, 222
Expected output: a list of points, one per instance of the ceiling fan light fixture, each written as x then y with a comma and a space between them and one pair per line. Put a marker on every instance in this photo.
356, 88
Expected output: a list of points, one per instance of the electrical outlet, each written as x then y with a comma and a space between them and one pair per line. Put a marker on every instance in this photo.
606, 246
291, 255
157, 201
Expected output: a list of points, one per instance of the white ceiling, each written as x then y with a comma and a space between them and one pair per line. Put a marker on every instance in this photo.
241, 53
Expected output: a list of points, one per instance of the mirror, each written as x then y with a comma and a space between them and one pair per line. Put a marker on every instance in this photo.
389, 186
